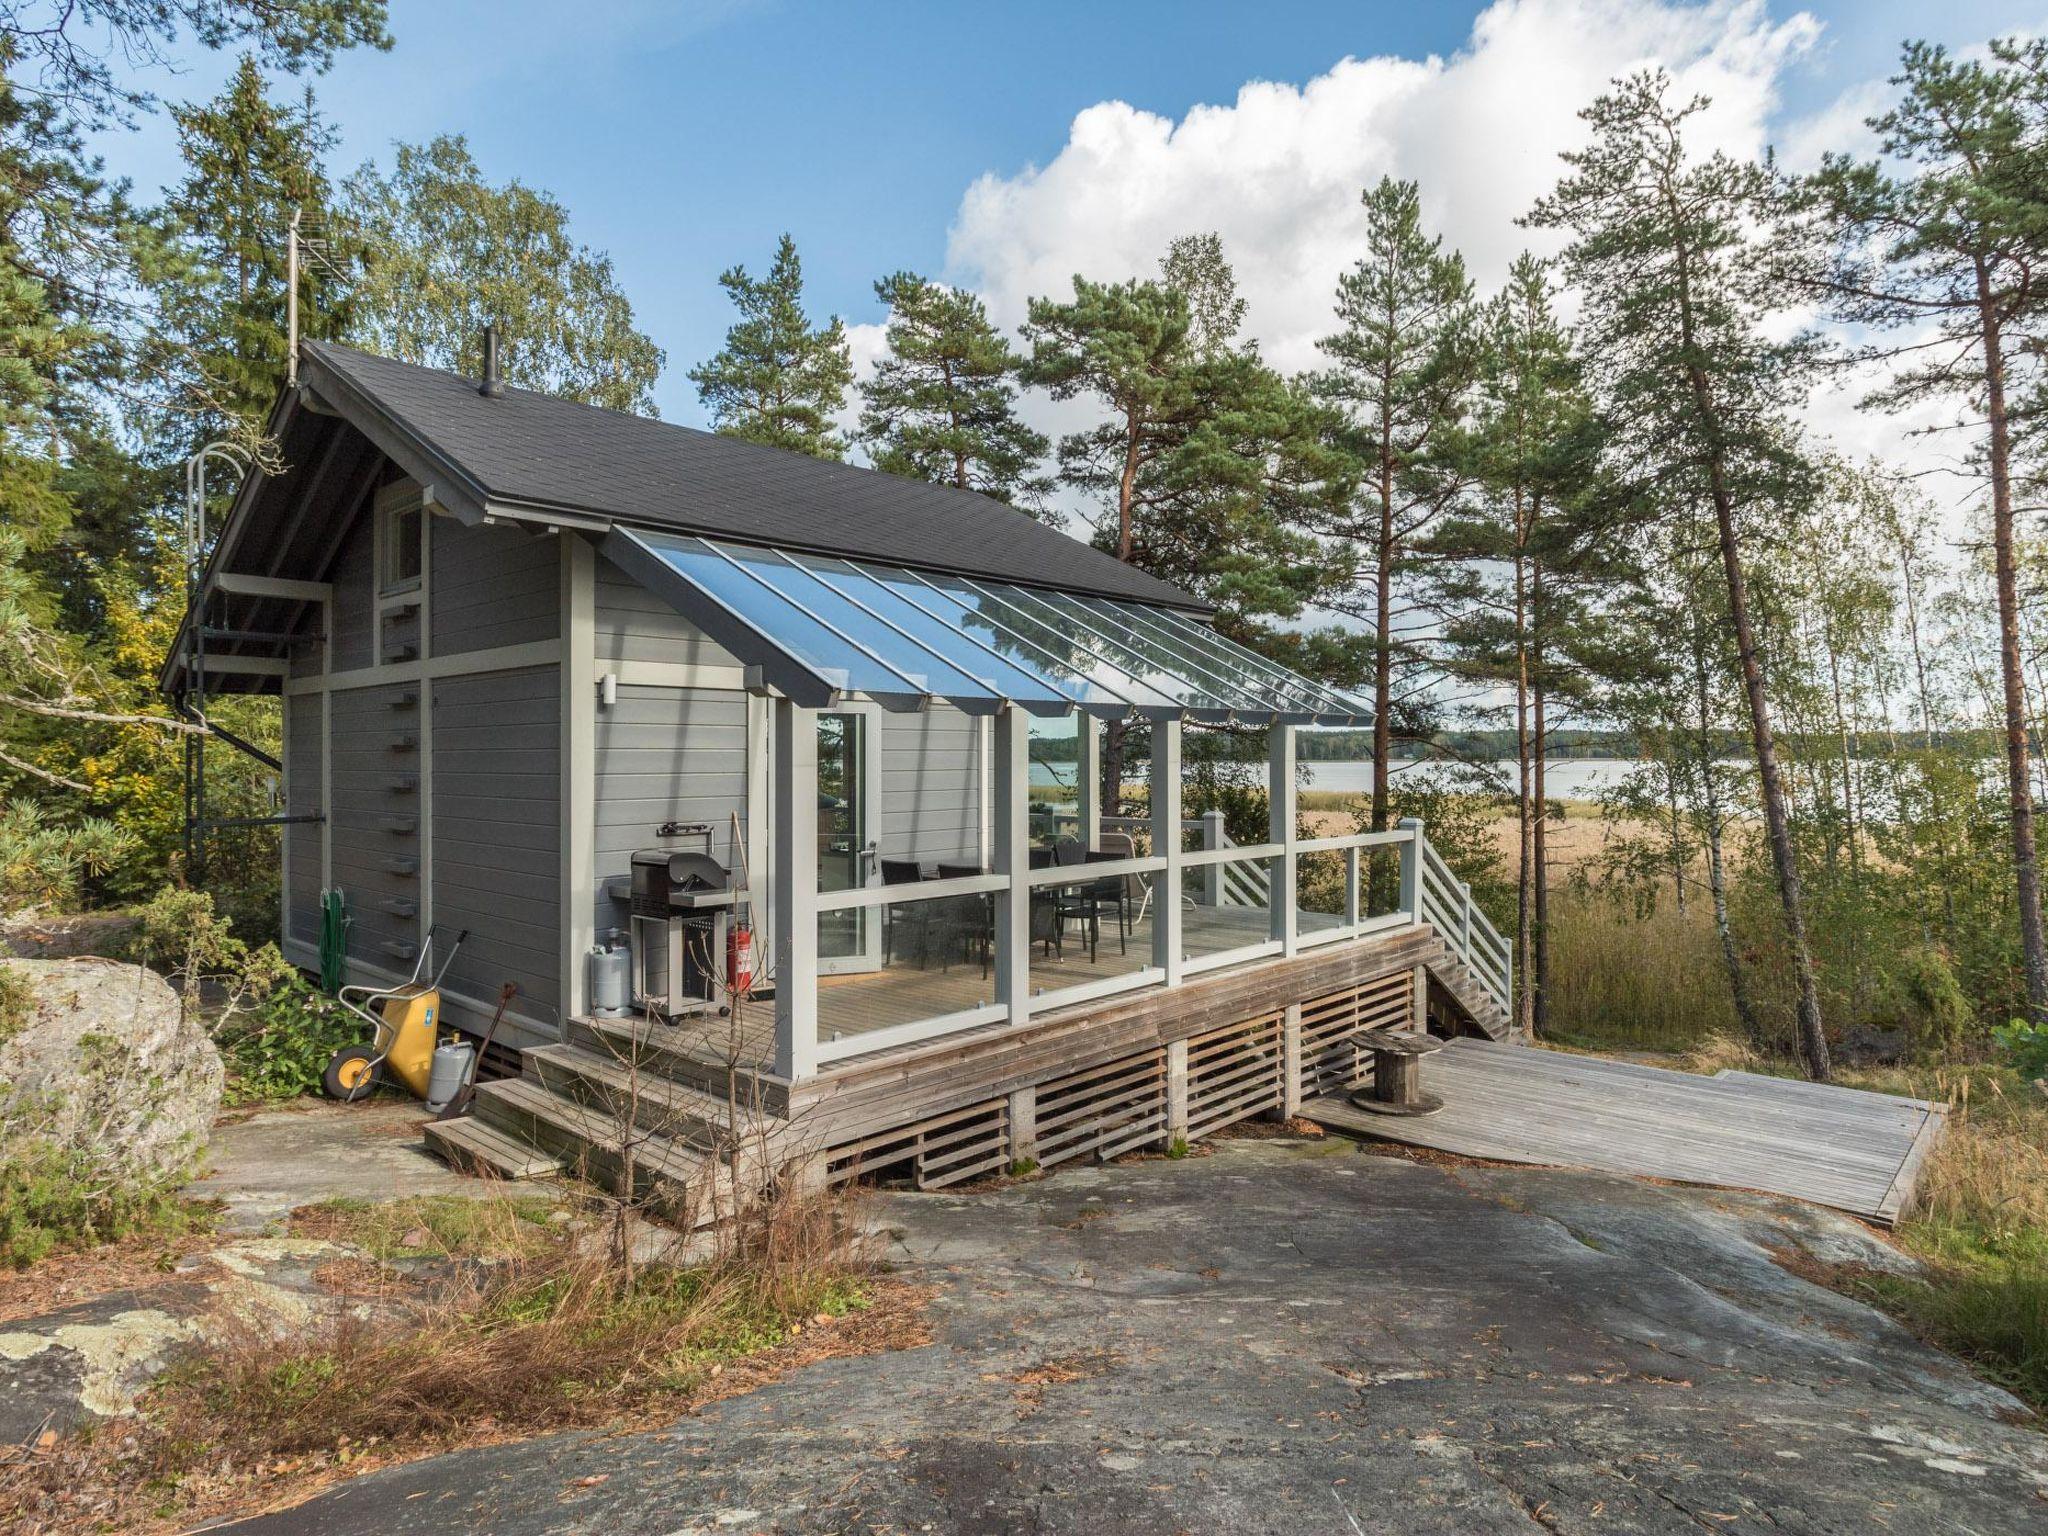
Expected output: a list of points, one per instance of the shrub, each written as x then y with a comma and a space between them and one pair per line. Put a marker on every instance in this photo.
41, 864
2025, 1046
55, 1198
274, 1029
17, 999
1923, 999
277, 1043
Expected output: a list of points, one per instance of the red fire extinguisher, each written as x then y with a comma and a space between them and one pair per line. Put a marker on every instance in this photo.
739, 957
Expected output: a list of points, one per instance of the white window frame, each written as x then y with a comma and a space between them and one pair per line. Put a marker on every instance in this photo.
393, 501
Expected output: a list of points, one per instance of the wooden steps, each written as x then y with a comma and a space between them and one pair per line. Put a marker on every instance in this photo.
1472, 1001
678, 1111
590, 1112
475, 1146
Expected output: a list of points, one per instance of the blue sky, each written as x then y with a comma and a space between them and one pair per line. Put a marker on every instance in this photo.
684, 137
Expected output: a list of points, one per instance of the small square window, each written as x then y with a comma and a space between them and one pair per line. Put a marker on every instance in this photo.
400, 534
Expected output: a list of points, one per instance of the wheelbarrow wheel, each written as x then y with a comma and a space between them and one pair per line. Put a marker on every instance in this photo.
351, 1073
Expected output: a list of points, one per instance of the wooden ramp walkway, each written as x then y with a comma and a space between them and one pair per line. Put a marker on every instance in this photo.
1856, 1151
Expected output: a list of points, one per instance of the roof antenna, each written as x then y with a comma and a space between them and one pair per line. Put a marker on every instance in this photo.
493, 384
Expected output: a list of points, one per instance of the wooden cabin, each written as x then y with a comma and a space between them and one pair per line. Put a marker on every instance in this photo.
552, 674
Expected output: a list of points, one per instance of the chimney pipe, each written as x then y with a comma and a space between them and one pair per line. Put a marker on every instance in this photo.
493, 384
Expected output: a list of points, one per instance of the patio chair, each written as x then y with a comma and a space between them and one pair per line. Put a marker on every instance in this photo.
914, 916
977, 913
1113, 891
1072, 903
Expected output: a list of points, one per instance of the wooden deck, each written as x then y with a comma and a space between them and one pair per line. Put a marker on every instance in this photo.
1855, 1151
923, 987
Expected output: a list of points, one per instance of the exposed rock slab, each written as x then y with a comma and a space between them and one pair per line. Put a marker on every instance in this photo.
1289, 1339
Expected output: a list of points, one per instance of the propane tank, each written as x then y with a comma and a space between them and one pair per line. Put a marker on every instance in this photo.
739, 957
611, 975
450, 1071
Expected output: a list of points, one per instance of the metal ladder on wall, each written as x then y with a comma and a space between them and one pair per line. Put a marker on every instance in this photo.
188, 696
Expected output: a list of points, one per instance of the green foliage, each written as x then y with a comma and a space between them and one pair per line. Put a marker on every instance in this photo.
1458, 814
278, 1041
250, 161
1993, 1313
1927, 1002
1205, 458
17, 1002
777, 381
2025, 1046
71, 52
56, 1199
41, 863
274, 1029
942, 404
443, 252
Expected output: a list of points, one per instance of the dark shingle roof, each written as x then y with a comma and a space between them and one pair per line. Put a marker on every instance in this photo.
532, 448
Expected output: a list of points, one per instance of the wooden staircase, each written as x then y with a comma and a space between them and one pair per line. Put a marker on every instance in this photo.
611, 1107
1469, 1000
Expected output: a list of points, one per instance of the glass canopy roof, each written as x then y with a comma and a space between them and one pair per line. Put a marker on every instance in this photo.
818, 627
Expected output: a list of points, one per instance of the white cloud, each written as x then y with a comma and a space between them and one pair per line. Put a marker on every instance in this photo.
1278, 171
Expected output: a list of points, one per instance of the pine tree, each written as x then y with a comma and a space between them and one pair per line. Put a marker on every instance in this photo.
777, 381
1205, 460
942, 405
1951, 250
443, 253
1663, 251
250, 161
1508, 564
1123, 345
1402, 363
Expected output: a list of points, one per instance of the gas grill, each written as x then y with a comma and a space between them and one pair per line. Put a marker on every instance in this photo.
681, 905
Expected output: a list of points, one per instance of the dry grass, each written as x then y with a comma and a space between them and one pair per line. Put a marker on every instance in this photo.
1624, 981
1980, 1225
548, 1332
436, 1226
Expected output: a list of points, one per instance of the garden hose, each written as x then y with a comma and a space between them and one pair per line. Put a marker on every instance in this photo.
334, 922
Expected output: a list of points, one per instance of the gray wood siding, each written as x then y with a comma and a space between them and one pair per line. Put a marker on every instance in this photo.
666, 754
376, 820
302, 798
492, 587
635, 625
931, 785
497, 832
355, 596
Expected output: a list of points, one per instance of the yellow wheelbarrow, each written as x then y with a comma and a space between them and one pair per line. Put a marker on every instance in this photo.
402, 1031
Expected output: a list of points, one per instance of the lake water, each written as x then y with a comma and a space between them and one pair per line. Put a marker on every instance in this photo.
1568, 778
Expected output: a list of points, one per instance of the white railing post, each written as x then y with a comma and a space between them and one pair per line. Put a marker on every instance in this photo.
1165, 792
796, 890
1465, 923
1354, 896
1280, 828
1088, 780
1013, 860
1411, 869
1213, 836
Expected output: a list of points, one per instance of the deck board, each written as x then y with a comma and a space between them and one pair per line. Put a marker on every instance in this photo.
1856, 1151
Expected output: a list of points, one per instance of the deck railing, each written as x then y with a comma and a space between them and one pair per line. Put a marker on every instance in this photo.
966, 952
